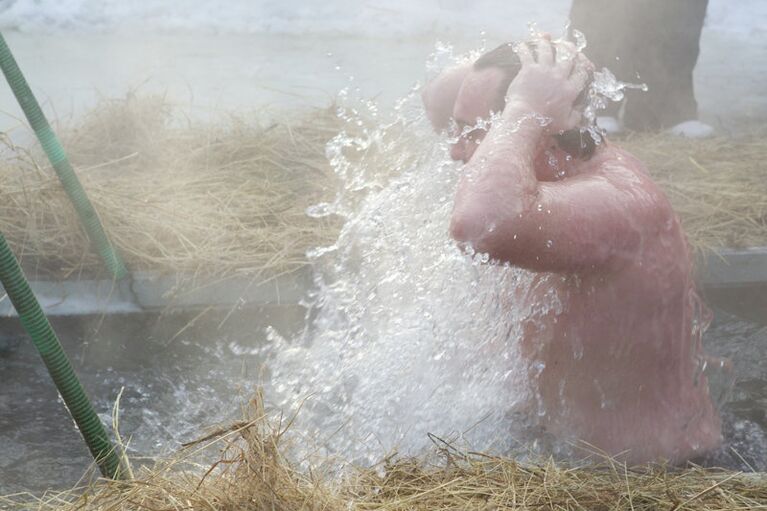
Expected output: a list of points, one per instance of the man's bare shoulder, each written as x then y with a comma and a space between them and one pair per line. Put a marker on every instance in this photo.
631, 176
612, 160
623, 169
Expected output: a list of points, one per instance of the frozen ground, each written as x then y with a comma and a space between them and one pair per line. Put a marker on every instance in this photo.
210, 57
349, 17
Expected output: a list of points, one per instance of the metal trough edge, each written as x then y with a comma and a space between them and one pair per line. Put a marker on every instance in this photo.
151, 292
718, 269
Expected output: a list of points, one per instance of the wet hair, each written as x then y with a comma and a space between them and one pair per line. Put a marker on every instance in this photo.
577, 142
506, 59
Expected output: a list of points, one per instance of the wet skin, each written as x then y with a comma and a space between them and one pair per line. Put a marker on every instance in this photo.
620, 357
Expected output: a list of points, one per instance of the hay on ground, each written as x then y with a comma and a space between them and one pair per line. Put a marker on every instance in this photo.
212, 199
252, 473
718, 186
229, 198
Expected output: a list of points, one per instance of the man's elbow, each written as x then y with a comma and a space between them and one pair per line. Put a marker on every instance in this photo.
457, 229
439, 95
471, 230
438, 114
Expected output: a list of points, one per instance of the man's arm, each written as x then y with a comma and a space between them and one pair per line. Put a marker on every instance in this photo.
580, 224
501, 208
439, 95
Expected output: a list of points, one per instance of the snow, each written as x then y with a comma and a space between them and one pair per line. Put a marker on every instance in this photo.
394, 18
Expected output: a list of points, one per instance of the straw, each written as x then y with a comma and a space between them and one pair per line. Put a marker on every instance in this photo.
717, 186
212, 199
251, 472
230, 197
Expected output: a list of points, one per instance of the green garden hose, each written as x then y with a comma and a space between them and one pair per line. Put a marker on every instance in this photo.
60, 162
36, 324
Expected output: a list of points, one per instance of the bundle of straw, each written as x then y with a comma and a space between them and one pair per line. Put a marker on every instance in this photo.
229, 198
718, 186
212, 199
252, 473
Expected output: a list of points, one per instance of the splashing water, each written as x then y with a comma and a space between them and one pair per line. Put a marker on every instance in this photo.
406, 334
604, 86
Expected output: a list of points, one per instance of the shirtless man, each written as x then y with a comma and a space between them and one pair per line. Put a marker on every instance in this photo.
619, 364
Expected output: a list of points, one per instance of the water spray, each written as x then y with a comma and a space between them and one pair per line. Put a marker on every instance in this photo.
58, 158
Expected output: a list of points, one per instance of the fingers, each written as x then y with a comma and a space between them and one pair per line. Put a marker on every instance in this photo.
567, 55
561, 54
562, 58
566, 50
524, 53
545, 51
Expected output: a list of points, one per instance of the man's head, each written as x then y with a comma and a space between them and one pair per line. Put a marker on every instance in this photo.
505, 60
483, 92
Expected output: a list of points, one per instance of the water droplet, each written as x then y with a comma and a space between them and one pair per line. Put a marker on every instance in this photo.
391, 348
577, 349
579, 39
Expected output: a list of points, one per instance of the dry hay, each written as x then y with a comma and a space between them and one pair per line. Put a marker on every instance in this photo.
252, 473
229, 198
718, 186
212, 199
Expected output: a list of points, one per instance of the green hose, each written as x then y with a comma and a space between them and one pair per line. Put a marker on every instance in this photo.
59, 367
60, 162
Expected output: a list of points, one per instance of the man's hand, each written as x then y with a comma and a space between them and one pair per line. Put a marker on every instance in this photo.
550, 85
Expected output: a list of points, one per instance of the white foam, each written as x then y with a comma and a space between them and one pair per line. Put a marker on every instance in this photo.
692, 129
408, 335
610, 125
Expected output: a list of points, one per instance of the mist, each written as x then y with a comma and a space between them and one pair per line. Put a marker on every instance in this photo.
151, 96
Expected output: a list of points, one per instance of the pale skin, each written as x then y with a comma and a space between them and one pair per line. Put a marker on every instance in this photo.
621, 363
